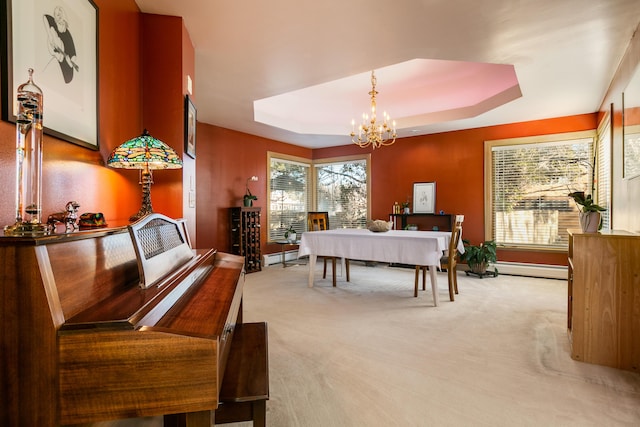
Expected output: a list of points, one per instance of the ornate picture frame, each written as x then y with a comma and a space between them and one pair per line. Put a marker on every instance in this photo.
59, 41
424, 197
190, 118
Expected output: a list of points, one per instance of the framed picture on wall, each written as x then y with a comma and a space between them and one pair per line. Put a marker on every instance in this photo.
424, 197
189, 127
59, 41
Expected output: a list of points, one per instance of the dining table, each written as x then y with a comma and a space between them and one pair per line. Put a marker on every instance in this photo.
416, 248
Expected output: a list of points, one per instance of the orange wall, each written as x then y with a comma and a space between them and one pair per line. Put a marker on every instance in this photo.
143, 63
225, 160
163, 105
136, 74
71, 172
454, 160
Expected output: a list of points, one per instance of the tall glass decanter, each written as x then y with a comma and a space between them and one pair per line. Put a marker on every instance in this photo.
29, 134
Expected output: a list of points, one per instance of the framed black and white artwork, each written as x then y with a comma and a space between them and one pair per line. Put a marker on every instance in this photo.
424, 197
190, 116
58, 39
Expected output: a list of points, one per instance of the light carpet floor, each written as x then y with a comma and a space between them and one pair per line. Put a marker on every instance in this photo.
367, 353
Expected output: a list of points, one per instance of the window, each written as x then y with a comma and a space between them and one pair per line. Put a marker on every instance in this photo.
338, 186
603, 171
529, 180
342, 190
289, 194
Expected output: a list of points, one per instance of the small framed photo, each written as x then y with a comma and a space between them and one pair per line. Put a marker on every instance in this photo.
189, 127
424, 197
59, 41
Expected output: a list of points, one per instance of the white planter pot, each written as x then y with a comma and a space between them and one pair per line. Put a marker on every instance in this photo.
292, 237
590, 221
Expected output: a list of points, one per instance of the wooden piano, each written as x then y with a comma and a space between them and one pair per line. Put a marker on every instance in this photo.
89, 335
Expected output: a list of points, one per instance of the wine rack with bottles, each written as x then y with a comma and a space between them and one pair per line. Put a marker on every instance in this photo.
245, 237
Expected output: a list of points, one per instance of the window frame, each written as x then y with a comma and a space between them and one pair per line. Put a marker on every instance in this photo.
604, 168
312, 177
286, 158
488, 179
338, 160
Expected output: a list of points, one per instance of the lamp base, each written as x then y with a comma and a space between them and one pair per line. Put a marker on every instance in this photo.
140, 214
146, 179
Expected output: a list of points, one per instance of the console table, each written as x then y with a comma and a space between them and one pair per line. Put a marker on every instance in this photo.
427, 221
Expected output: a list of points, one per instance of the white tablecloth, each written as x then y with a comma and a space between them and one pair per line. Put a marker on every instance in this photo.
396, 246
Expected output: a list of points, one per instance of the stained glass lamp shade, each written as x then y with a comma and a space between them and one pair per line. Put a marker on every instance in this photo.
144, 153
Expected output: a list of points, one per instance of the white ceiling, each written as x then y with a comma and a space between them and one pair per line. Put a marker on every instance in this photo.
564, 54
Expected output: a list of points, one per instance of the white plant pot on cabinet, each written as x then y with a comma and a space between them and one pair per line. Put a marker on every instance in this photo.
590, 221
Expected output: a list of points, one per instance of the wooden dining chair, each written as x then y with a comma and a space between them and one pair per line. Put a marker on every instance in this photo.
449, 261
317, 221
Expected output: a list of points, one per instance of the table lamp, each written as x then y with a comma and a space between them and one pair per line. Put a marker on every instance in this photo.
144, 153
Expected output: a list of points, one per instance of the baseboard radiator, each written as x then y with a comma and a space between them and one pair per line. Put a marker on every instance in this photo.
276, 257
531, 270
514, 268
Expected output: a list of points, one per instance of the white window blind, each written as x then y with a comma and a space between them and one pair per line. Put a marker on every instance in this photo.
603, 162
530, 184
341, 190
289, 196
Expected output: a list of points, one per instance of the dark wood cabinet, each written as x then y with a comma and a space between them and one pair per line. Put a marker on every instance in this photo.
424, 221
245, 236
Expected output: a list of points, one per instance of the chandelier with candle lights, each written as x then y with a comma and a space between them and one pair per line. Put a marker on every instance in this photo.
370, 132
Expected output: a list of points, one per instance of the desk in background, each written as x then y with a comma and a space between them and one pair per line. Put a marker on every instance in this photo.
283, 244
424, 221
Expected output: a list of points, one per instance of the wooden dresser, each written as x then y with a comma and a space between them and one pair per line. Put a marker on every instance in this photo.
604, 298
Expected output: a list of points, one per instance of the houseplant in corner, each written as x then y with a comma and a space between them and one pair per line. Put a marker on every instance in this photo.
590, 217
479, 257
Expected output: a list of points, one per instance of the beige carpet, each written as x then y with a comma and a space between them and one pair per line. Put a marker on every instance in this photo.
369, 354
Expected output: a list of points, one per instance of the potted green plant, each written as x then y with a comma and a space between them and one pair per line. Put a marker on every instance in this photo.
590, 217
290, 234
405, 208
249, 198
479, 257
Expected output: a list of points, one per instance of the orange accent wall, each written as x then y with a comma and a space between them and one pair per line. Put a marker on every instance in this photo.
454, 160
139, 71
143, 63
225, 160
163, 105
71, 172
